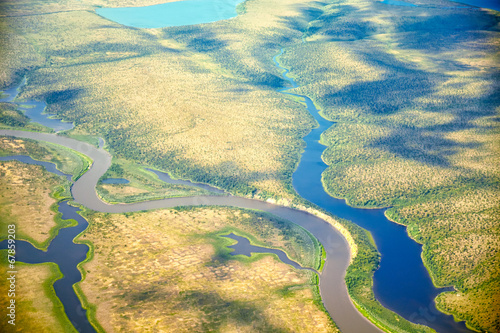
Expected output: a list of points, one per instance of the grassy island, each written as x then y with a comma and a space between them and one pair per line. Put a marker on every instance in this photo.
172, 270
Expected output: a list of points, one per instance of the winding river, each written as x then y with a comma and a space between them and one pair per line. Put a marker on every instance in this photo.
332, 285
402, 283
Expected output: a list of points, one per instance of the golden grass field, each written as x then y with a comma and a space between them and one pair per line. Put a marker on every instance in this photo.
168, 270
28, 207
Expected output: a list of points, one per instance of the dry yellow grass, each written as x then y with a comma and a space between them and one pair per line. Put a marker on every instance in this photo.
25, 200
160, 271
37, 307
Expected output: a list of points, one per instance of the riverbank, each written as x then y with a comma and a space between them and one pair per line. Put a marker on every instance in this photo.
337, 300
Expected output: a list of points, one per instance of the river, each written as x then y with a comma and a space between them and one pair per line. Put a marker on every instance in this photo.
401, 284
332, 286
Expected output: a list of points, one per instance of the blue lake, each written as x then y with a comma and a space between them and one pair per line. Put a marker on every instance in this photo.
172, 14
398, 3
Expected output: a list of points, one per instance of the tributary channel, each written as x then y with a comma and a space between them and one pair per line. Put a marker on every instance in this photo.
402, 283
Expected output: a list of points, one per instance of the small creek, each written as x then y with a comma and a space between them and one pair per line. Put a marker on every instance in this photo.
243, 247
35, 109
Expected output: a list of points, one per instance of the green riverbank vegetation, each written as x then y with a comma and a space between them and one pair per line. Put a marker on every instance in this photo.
162, 96
412, 91
29, 194
38, 309
171, 270
143, 185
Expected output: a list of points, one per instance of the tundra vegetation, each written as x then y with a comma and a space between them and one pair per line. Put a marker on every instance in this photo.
170, 270
29, 194
411, 89
414, 98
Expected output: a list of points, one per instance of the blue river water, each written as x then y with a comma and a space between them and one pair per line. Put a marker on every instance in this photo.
67, 255
402, 283
51, 167
35, 110
243, 247
172, 14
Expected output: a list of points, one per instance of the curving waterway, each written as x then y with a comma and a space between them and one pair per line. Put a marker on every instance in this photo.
35, 110
402, 283
243, 247
332, 285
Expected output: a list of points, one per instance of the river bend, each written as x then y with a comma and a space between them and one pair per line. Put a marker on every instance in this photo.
332, 285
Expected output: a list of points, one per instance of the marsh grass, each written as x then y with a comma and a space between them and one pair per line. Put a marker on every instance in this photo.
143, 185
38, 309
186, 271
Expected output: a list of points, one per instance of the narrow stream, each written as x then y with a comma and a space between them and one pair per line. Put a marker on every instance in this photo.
243, 247
67, 255
35, 110
402, 283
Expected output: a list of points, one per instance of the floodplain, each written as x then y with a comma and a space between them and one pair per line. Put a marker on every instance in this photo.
411, 90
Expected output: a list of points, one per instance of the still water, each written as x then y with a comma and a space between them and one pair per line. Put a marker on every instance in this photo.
35, 110
172, 14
